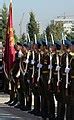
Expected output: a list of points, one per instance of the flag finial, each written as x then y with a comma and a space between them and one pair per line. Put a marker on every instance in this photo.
10, 1
52, 39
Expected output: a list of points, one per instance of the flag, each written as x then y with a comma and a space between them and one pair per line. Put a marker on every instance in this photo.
9, 54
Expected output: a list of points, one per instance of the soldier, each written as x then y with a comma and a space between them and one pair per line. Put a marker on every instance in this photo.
22, 79
70, 103
15, 73
62, 93
55, 71
29, 81
35, 85
6, 82
26, 78
47, 100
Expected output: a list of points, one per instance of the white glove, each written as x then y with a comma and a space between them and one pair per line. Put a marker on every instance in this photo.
18, 74
49, 66
28, 81
27, 61
39, 65
67, 70
20, 54
32, 62
57, 68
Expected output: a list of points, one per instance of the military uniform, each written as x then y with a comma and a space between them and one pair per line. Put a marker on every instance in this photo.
16, 74
35, 87
22, 81
70, 103
47, 100
61, 97
25, 82
29, 83
55, 80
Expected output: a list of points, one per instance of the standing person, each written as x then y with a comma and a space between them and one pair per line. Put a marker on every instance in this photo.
6, 82
61, 102
70, 103
15, 73
35, 85
22, 78
28, 79
47, 100
54, 73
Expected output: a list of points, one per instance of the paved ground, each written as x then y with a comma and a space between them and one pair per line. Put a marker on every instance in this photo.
3, 97
11, 113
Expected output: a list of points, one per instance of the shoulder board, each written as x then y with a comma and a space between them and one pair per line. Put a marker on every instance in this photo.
53, 53
71, 53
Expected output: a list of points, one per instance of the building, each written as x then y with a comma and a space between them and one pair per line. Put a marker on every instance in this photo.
68, 23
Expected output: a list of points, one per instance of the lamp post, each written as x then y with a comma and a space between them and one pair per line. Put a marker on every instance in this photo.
20, 24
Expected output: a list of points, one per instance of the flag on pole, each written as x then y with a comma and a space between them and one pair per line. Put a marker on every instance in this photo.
9, 55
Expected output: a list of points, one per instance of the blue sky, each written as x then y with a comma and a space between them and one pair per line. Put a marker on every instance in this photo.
44, 10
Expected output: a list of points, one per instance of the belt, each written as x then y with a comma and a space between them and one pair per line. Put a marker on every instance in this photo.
63, 73
31, 68
72, 77
45, 72
55, 73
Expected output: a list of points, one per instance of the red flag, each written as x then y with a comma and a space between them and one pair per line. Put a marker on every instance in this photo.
9, 55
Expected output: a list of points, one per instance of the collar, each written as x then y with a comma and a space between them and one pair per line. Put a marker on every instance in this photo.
72, 53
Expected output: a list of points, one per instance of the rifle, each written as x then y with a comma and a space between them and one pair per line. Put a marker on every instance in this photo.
39, 67
27, 61
32, 62
67, 73
58, 70
50, 73
6, 75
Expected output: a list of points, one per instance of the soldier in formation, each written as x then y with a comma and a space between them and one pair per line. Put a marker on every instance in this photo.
45, 72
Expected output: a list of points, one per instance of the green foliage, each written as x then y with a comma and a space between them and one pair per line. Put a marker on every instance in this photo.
33, 27
56, 29
4, 21
15, 37
48, 32
23, 38
70, 36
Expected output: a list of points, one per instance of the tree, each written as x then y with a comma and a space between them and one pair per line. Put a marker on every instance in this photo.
23, 38
15, 37
4, 21
33, 27
70, 36
48, 32
56, 29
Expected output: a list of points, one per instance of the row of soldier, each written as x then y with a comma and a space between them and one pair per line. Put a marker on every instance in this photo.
44, 71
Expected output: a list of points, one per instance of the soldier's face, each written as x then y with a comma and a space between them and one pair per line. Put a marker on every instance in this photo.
72, 48
23, 49
18, 47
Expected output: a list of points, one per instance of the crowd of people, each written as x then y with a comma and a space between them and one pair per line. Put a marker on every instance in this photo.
45, 71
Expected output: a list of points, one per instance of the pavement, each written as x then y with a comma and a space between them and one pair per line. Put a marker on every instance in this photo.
4, 97
11, 113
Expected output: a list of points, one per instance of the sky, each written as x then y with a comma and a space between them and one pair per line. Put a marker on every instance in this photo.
44, 10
